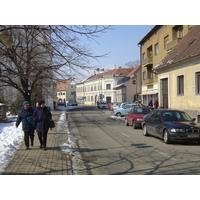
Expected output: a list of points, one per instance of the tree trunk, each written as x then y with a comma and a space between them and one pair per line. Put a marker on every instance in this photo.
27, 97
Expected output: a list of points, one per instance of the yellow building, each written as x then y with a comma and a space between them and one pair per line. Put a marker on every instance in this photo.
179, 75
153, 48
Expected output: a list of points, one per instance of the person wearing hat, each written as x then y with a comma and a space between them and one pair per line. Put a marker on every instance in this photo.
28, 128
42, 116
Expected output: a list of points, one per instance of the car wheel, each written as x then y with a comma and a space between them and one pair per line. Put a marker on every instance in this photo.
126, 122
134, 124
118, 114
166, 137
145, 132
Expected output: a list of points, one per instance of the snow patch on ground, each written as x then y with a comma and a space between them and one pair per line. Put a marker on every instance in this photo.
10, 140
71, 148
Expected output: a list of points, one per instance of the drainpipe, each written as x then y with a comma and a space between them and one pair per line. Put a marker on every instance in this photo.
140, 70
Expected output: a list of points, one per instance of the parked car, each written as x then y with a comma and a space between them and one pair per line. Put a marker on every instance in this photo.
135, 115
171, 125
115, 105
71, 102
109, 105
101, 105
120, 112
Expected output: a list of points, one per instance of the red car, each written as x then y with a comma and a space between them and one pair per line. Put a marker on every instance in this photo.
109, 105
113, 105
135, 115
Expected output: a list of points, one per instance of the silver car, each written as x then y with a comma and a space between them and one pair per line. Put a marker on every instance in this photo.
102, 105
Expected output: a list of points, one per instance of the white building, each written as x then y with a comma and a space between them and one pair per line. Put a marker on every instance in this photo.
99, 87
65, 91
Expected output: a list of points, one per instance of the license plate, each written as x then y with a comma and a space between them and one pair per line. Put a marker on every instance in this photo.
193, 136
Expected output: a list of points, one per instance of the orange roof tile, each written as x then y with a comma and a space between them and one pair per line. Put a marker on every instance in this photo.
114, 72
133, 71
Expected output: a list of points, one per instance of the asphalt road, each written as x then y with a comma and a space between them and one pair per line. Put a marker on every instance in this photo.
107, 147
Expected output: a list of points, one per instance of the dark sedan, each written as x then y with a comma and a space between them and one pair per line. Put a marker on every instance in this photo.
171, 125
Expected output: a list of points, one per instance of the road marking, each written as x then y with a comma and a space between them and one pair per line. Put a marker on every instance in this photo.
125, 134
165, 155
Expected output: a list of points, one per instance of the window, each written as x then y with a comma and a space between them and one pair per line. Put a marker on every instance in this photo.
144, 75
197, 84
91, 88
177, 31
180, 33
180, 85
166, 41
156, 49
143, 56
88, 98
108, 86
149, 52
91, 98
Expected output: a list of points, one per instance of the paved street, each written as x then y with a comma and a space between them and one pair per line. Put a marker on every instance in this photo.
107, 146
98, 144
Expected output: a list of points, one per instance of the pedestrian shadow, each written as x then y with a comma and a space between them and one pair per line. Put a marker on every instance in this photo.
141, 145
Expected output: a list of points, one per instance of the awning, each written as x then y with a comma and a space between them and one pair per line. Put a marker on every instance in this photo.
149, 92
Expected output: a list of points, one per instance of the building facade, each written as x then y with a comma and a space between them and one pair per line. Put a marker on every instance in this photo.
65, 91
130, 90
153, 48
179, 75
100, 86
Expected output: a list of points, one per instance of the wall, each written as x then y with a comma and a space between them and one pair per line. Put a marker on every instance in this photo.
131, 88
92, 95
70, 92
157, 37
190, 101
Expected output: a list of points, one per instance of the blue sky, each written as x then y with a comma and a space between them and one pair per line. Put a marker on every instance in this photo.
121, 42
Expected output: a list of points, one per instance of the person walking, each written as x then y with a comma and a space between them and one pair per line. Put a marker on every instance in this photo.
150, 104
156, 104
27, 127
42, 116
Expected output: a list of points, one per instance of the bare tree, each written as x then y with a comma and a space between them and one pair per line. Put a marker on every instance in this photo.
133, 64
31, 56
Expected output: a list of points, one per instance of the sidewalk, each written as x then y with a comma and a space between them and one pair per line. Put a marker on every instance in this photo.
39, 162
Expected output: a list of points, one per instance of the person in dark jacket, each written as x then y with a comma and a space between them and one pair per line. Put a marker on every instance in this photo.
42, 116
150, 104
28, 129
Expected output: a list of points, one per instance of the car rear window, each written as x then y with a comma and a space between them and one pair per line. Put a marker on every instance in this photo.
141, 111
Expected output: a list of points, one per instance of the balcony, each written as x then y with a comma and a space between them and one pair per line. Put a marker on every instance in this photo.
148, 81
173, 43
148, 60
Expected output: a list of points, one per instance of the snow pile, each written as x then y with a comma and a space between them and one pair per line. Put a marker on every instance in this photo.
10, 140
71, 147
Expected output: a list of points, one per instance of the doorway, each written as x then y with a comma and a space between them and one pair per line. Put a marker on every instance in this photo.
108, 99
164, 93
